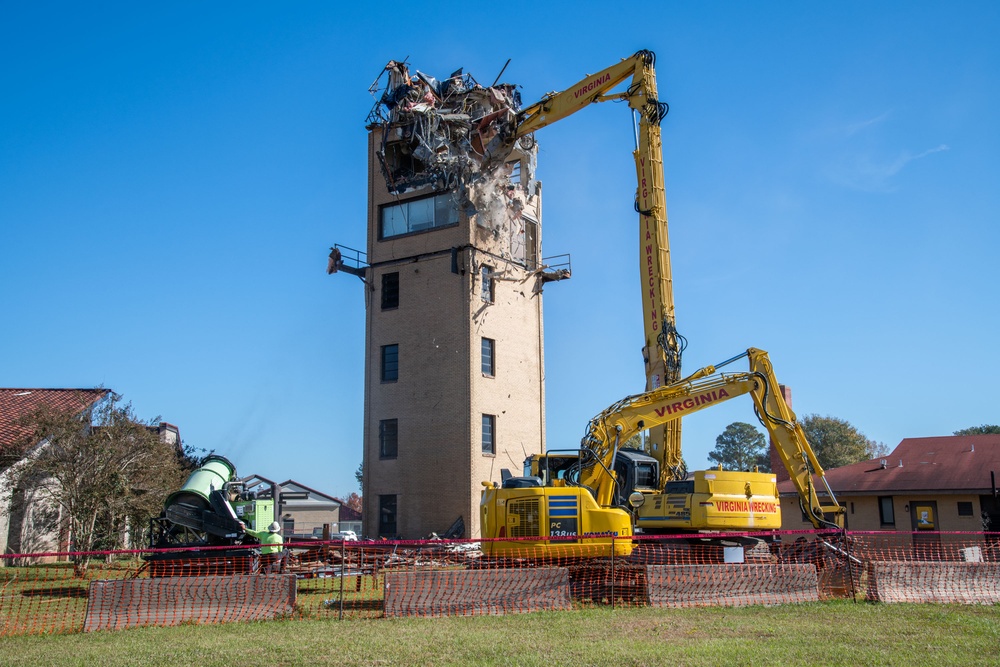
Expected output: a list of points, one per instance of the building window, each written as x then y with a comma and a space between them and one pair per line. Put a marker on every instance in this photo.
417, 215
515, 172
387, 516
886, 515
489, 346
530, 244
486, 290
489, 434
964, 509
390, 363
388, 430
390, 291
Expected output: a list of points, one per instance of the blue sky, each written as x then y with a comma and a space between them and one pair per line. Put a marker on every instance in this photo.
172, 177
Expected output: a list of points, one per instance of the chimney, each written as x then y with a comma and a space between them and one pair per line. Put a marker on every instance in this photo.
780, 474
169, 434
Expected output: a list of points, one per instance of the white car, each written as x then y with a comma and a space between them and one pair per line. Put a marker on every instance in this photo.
346, 535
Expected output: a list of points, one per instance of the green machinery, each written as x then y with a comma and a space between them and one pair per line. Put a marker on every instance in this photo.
208, 508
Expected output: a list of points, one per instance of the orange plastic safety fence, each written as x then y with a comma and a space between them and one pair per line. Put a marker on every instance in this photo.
73, 592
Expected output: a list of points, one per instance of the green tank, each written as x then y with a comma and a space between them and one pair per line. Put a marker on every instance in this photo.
211, 476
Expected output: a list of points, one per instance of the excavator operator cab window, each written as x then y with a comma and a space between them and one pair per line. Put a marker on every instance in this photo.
550, 468
645, 476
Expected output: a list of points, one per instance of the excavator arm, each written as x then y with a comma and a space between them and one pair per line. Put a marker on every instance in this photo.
663, 345
703, 389
793, 447
594, 88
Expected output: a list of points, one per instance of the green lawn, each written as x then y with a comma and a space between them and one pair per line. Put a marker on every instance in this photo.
824, 633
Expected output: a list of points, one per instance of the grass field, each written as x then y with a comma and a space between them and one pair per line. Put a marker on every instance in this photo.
825, 633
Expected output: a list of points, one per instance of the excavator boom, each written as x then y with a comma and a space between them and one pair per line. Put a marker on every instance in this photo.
663, 345
704, 389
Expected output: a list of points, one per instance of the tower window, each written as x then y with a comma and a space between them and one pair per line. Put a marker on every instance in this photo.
387, 516
417, 215
489, 434
489, 346
486, 289
390, 291
515, 172
388, 438
530, 244
390, 363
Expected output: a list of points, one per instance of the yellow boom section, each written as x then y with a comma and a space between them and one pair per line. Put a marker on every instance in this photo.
789, 439
663, 345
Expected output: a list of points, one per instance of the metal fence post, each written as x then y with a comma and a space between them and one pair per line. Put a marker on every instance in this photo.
850, 566
612, 571
343, 561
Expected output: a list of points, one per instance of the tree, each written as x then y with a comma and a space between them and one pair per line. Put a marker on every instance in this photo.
985, 429
354, 501
359, 475
741, 447
635, 442
103, 468
837, 443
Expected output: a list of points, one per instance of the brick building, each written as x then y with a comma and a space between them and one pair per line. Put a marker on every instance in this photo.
305, 511
925, 484
454, 358
30, 521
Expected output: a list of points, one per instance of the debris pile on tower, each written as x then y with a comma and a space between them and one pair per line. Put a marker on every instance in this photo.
456, 136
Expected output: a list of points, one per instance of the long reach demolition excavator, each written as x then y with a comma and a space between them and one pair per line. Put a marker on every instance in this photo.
584, 494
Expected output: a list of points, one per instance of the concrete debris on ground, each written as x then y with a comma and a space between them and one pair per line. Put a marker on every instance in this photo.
331, 560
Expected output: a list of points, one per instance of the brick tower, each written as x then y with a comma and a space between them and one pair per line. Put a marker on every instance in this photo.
454, 353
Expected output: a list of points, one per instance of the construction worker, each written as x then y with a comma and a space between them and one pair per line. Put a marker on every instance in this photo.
271, 550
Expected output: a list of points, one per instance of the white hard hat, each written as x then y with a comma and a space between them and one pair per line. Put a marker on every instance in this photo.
274, 527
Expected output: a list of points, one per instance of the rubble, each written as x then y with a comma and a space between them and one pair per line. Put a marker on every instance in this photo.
457, 136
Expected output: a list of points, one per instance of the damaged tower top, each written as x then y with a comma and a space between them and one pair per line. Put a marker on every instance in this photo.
455, 136
454, 339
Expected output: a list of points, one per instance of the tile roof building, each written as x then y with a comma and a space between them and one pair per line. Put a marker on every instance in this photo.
27, 525
16, 404
946, 483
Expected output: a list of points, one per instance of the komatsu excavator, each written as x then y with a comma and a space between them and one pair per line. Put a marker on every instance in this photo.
583, 496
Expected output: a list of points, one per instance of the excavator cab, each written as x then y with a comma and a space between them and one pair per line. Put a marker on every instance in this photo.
554, 468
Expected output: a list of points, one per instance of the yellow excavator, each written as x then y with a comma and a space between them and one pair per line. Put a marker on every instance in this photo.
673, 503
591, 500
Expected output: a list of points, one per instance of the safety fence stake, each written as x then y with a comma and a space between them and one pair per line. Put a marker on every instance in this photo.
850, 565
612, 571
343, 561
